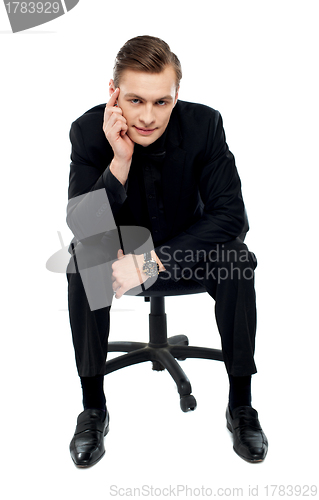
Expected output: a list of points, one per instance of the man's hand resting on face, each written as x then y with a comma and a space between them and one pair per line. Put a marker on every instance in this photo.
115, 128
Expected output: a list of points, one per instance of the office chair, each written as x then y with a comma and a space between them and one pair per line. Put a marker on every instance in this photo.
161, 350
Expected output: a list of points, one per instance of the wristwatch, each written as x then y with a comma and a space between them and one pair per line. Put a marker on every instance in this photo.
150, 266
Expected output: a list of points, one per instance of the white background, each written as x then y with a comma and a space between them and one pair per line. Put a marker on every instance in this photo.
257, 63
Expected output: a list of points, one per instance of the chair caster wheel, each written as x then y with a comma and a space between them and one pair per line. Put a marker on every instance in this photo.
188, 403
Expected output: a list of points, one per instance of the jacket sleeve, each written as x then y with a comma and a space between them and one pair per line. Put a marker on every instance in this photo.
223, 216
94, 197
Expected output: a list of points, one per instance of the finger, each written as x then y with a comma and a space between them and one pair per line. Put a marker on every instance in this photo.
110, 111
111, 118
115, 131
119, 292
127, 138
113, 134
113, 98
123, 133
120, 254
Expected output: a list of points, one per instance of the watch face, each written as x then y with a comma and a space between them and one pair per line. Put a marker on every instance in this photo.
150, 268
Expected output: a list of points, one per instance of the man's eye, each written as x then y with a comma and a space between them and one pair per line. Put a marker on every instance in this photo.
161, 103
135, 101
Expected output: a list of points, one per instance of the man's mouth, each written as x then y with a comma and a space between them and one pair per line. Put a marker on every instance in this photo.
145, 131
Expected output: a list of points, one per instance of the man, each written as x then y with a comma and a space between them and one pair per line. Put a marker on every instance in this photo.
164, 165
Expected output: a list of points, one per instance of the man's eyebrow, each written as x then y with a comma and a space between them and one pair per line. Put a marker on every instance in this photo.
135, 96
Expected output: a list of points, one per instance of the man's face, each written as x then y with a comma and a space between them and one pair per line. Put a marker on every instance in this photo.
147, 101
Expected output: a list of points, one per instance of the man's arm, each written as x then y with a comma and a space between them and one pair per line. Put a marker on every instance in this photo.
223, 217
99, 197
95, 212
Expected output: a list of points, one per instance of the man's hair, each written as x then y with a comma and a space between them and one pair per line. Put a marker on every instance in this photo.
148, 54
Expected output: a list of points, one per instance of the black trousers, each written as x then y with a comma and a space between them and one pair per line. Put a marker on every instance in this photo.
227, 273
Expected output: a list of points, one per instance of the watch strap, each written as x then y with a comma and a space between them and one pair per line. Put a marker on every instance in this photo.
147, 256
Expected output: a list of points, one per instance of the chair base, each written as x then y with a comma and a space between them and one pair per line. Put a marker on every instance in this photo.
162, 355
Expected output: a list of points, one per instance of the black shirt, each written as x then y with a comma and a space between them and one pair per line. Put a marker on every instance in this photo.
146, 167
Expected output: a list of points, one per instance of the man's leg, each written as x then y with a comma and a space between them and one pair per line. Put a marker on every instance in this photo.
228, 276
227, 273
90, 331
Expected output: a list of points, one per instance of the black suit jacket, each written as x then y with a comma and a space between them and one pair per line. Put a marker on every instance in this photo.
201, 188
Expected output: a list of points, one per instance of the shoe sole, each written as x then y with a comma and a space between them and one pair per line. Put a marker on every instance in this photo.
96, 461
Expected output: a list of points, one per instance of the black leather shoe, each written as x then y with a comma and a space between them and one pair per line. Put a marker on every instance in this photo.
250, 442
87, 445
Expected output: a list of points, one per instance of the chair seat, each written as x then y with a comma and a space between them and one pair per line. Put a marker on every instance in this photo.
168, 288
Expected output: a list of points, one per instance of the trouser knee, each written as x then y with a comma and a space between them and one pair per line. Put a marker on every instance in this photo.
231, 261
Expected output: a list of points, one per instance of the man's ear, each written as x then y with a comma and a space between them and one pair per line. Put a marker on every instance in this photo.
111, 87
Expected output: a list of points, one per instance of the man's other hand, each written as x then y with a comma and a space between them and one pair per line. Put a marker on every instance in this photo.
127, 273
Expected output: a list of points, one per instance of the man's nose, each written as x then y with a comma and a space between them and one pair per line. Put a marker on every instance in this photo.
147, 115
